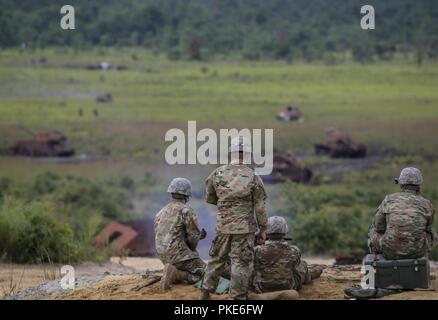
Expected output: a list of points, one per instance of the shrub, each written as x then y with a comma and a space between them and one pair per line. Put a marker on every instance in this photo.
31, 232
332, 230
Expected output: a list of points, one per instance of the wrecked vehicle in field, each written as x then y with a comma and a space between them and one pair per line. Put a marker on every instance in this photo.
338, 144
106, 66
44, 144
290, 113
104, 98
287, 167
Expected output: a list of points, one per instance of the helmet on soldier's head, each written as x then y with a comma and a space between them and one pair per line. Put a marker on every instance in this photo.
277, 225
240, 144
410, 176
180, 186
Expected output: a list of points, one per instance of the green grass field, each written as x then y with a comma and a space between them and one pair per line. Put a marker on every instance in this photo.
391, 107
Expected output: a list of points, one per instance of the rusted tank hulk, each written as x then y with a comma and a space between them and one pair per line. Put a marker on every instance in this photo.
339, 145
44, 144
104, 98
290, 113
287, 167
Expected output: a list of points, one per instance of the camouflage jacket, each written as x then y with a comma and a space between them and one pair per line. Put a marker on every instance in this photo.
274, 266
177, 232
404, 221
238, 193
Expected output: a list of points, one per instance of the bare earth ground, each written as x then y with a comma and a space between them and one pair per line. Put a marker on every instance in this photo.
122, 279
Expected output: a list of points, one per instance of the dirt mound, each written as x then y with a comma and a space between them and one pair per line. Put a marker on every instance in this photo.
126, 286
330, 286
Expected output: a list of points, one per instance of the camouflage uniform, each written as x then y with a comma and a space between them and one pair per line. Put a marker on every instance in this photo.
278, 266
402, 227
177, 234
238, 193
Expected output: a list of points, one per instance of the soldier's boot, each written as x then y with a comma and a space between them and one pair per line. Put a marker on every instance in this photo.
204, 295
172, 275
167, 278
315, 271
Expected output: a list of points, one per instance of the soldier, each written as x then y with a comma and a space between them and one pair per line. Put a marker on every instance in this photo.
240, 197
177, 234
277, 264
402, 227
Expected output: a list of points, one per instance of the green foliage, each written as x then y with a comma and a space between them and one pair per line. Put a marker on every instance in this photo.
109, 197
31, 232
199, 29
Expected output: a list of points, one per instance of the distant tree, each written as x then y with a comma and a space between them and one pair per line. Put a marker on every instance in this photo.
257, 29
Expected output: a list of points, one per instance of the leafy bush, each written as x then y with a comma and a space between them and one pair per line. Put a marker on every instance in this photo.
332, 231
31, 232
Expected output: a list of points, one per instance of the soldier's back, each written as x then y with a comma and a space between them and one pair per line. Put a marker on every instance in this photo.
233, 182
274, 263
170, 234
407, 216
234, 186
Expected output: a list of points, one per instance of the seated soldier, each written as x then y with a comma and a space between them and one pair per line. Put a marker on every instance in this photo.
402, 227
277, 264
177, 234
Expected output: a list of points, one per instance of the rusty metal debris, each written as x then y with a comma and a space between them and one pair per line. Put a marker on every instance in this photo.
338, 144
290, 113
104, 98
134, 237
44, 144
287, 167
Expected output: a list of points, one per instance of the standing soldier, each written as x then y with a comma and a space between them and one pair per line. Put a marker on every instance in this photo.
402, 227
240, 197
277, 264
177, 234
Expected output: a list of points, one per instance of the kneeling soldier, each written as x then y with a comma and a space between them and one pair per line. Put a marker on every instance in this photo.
177, 234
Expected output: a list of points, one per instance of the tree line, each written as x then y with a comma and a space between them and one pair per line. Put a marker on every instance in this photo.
290, 30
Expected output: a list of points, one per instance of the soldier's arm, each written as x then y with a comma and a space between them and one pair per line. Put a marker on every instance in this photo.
429, 229
210, 191
259, 200
380, 219
193, 231
295, 257
430, 217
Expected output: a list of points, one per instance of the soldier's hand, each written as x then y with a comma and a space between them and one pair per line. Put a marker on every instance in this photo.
203, 234
262, 237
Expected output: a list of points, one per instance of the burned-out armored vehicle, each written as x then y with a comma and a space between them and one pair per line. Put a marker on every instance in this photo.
290, 113
43, 144
287, 167
338, 144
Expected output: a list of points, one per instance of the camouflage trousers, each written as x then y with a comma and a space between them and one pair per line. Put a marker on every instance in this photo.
239, 250
193, 270
377, 245
300, 277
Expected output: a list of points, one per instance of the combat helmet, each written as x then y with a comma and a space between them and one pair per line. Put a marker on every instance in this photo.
240, 144
181, 186
410, 176
277, 227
